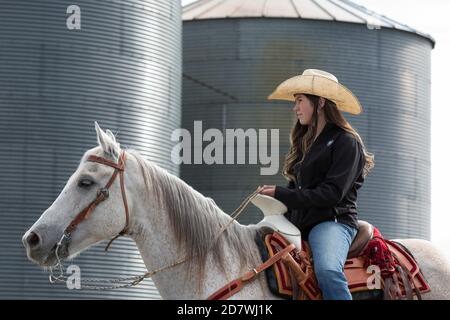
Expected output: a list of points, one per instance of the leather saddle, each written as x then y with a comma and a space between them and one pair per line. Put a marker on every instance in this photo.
359, 244
293, 276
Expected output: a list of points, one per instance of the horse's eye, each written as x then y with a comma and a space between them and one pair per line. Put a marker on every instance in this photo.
85, 183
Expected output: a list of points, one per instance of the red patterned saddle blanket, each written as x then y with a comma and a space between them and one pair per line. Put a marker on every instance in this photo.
384, 270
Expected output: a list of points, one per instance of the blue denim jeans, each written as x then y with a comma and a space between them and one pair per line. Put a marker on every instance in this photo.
330, 242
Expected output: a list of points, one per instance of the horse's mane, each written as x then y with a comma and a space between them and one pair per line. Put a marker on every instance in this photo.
195, 219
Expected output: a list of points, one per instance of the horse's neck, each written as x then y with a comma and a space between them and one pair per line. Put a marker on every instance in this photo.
157, 245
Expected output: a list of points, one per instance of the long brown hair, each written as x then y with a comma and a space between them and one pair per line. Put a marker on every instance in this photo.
302, 136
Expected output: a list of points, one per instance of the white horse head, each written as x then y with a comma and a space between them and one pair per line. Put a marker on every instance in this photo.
106, 221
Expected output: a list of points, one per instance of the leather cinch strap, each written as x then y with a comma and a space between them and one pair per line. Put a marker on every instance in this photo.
236, 285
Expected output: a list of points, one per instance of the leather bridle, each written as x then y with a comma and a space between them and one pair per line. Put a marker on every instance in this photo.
102, 195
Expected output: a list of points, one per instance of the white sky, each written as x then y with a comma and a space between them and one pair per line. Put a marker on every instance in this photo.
430, 17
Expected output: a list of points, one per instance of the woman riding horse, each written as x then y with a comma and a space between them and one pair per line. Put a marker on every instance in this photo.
325, 166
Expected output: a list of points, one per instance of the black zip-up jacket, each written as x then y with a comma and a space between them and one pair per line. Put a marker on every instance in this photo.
327, 181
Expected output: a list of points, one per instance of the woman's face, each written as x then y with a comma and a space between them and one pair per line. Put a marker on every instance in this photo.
303, 109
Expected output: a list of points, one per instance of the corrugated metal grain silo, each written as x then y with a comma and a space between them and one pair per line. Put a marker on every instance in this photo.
123, 69
235, 52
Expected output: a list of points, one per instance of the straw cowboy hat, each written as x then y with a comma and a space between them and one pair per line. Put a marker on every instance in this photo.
319, 83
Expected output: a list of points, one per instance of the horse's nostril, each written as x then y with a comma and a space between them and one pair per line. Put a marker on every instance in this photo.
33, 239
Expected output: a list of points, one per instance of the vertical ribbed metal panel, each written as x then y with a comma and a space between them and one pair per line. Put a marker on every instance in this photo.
232, 65
123, 69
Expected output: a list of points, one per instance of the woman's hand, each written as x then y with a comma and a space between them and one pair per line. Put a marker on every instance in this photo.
267, 190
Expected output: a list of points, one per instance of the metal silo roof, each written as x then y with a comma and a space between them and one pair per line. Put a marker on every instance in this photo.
332, 10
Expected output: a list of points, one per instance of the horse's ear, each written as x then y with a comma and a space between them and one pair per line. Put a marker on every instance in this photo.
109, 133
108, 142
101, 136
